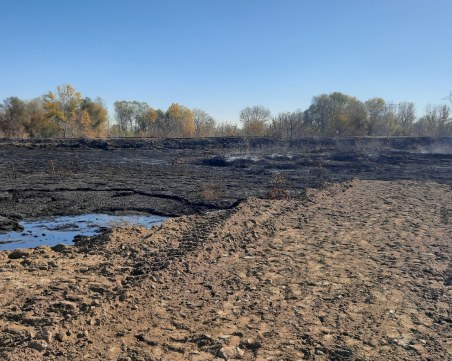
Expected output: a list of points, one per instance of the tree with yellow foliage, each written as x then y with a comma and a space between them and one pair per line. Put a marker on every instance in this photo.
180, 121
74, 115
93, 118
63, 107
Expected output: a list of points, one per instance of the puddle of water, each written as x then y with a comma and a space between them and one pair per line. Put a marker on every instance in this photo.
51, 231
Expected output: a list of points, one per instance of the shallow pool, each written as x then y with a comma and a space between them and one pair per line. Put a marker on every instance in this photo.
51, 231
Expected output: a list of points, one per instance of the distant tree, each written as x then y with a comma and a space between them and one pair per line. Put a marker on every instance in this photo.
204, 123
146, 118
390, 119
319, 113
376, 116
38, 125
356, 117
435, 122
134, 117
63, 107
180, 120
124, 114
336, 114
142, 118
405, 117
93, 117
254, 120
337, 122
428, 124
227, 130
445, 122
162, 126
289, 126
151, 118
13, 114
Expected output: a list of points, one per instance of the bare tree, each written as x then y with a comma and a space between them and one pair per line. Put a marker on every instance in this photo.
204, 123
436, 121
255, 120
445, 122
227, 130
375, 120
405, 117
289, 125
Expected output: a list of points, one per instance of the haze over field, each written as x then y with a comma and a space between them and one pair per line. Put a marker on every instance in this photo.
223, 56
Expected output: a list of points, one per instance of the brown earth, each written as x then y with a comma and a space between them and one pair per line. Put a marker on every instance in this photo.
355, 271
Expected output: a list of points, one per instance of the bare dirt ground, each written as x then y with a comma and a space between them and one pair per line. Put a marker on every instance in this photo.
355, 271
352, 261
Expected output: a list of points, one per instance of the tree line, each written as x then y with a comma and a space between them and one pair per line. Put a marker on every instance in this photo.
63, 113
338, 114
66, 113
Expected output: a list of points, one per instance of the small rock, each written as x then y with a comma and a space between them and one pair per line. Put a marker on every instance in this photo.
61, 248
20, 330
240, 352
223, 354
8, 225
19, 253
83, 334
60, 336
224, 337
46, 336
39, 345
251, 344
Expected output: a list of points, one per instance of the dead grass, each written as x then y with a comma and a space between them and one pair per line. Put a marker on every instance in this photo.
281, 187
211, 192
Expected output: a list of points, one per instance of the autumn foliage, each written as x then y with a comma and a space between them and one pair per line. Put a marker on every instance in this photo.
65, 112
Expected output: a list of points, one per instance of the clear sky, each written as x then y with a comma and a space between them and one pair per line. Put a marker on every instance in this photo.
224, 55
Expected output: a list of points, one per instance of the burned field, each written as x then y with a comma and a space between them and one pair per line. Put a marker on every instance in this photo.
320, 249
176, 177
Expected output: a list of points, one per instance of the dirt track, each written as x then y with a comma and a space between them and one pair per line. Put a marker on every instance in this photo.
358, 271
351, 270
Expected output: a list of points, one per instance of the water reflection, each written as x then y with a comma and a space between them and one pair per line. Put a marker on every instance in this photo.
51, 231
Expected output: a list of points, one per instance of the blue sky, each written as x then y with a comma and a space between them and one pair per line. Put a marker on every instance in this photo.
224, 55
